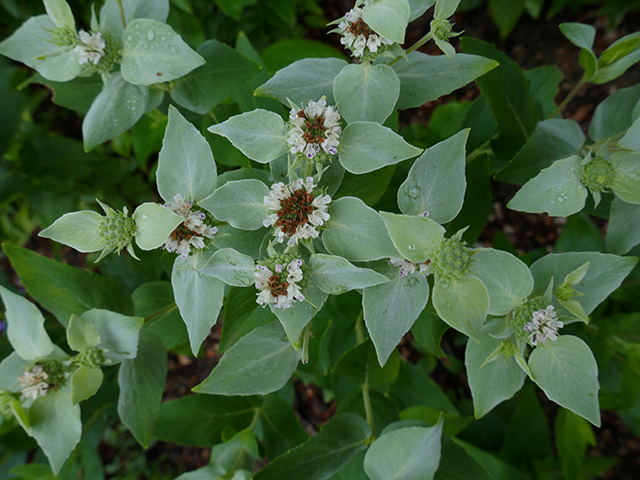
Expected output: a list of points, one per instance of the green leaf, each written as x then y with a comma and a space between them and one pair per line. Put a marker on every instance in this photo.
199, 297
605, 274
506, 88
242, 314
185, 164
55, 423
626, 179
11, 367
427, 332
285, 52
631, 139
79, 230
258, 134
25, 327
618, 58
60, 12
111, 19
623, 231
85, 382
259, 363
567, 372
544, 84
244, 241
64, 290
335, 275
154, 224
323, 455
424, 78
198, 420
410, 453
81, 334
360, 365
493, 382
226, 70
369, 187
33, 45
418, 7
445, 8
572, 436
580, 234
414, 236
368, 146
231, 267
142, 380
366, 92
552, 140
505, 14
508, 280
76, 94
296, 317
239, 202
115, 110
457, 464
583, 36
436, 181
391, 308
152, 48
118, 334
280, 425
556, 190
356, 232
463, 304
303, 81
615, 114
388, 18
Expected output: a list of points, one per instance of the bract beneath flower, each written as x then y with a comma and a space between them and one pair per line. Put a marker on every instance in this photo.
192, 232
279, 283
314, 129
297, 211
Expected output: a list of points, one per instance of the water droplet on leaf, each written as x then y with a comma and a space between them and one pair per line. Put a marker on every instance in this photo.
150, 35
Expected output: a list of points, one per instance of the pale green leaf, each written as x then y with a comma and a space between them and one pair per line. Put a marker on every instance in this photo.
414, 236
25, 327
259, 363
111, 19
335, 275
258, 134
239, 202
79, 230
356, 232
154, 224
623, 231
388, 18
366, 92
626, 178
631, 139
556, 190
81, 334
436, 181
567, 372
118, 333
231, 267
154, 53
300, 313
60, 12
185, 164
462, 303
85, 382
368, 146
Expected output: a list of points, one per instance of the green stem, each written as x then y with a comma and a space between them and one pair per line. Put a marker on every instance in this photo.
305, 343
359, 329
162, 311
413, 47
368, 412
568, 98
122, 17
308, 169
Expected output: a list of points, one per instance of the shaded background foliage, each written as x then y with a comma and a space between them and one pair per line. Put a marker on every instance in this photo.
44, 173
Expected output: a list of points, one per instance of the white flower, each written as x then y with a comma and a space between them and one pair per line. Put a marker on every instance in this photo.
358, 37
407, 267
90, 47
279, 286
191, 232
33, 382
544, 325
313, 129
296, 210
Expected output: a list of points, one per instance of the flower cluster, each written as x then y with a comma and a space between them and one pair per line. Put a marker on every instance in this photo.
90, 47
358, 37
407, 267
33, 382
278, 281
191, 232
544, 325
313, 129
297, 210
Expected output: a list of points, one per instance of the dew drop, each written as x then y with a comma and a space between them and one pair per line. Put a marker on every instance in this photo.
232, 261
130, 38
560, 198
145, 45
145, 216
412, 247
163, 38
449, 305
413, 192
172, 49
412, 281
150, 35
136, 26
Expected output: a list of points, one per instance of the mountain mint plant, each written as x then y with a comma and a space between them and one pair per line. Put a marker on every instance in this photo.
291, 207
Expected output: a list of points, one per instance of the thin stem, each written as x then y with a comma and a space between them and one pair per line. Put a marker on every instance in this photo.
359, 329
368, 411
305, 343
568, 98
413, 47
122, 17
308, 169
162, 311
